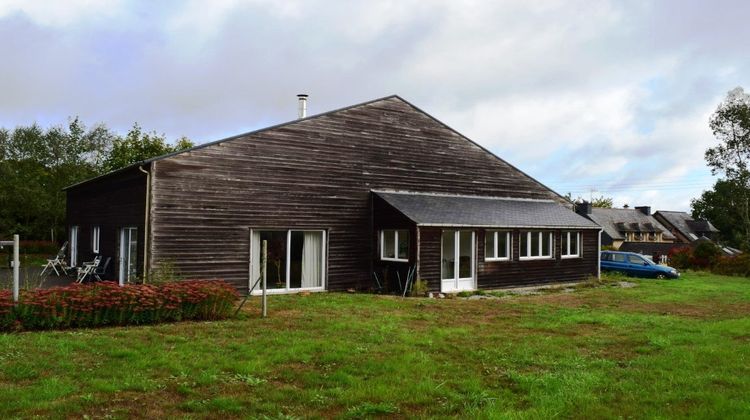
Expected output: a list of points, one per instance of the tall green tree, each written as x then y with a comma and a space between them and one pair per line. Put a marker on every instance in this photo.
138, 145
720, 205
35, 164
730, 124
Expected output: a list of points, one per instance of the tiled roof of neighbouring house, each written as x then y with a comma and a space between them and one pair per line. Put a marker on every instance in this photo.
616, 221
456, 210
686, 225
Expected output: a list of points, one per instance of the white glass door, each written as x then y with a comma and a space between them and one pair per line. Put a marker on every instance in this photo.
128, 254
457, 261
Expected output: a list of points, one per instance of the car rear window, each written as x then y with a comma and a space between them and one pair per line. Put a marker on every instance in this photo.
618, 258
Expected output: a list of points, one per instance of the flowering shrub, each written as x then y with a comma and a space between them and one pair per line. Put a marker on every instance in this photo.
107, 303
7, 318
733, 266
680, 257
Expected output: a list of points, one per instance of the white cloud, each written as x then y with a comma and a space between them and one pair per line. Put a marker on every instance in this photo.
578, 94
61, 13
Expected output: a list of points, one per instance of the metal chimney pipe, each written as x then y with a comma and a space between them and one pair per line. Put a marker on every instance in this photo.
302, 105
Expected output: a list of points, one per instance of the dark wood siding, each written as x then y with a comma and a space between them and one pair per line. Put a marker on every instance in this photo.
316, 173
391, 274
498, 274
112, 202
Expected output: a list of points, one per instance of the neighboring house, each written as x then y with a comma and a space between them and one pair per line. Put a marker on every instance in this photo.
635, 230
684, 227
688, 230
380, 188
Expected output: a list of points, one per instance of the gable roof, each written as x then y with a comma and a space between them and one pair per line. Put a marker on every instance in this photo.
615, 221
461, 210
301, 120
686, 225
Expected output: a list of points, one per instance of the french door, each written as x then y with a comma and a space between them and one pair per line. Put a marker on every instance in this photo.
457, 261
128, 255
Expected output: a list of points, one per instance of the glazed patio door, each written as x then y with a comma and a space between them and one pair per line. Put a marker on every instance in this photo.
128, 254
457, 261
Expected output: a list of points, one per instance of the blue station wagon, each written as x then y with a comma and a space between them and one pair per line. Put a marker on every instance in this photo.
636, 265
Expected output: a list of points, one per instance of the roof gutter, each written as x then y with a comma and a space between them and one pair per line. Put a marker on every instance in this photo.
147, 213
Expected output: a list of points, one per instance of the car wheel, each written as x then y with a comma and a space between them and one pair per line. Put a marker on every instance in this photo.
661, 276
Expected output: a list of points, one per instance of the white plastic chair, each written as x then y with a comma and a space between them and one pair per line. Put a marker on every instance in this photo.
57, 263
88, 268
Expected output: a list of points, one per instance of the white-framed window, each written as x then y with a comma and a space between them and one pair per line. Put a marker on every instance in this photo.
95, 232
497, 245
296, 259
73, 246
394, 245
535, 245
570, 245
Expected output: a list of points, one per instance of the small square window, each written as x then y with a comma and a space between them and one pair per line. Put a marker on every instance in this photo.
394, 245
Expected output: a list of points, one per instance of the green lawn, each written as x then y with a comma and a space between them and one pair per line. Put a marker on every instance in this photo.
661, 349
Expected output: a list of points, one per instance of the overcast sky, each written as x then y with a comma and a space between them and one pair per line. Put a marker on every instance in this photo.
610, 96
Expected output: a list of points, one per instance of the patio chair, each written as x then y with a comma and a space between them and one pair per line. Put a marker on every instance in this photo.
57, 263
87, 268
102, 269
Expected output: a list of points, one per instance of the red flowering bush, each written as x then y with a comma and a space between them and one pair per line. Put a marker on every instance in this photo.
107, 303
7, 317
680, 257
733, 266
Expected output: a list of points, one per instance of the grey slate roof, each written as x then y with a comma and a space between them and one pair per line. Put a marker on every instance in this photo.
457, 210
633, 220
685, 223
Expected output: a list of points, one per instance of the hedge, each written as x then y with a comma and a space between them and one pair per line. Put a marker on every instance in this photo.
107, 303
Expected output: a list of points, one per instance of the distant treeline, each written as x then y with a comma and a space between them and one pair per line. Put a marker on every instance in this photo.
37, 163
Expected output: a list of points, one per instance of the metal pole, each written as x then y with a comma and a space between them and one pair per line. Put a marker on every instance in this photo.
16, 266
264, 302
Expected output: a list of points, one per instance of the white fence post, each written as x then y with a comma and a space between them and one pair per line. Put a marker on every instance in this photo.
264, 299
16, 267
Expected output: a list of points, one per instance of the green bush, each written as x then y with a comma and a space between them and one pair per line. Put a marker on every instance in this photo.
704, 255
39, 247
419, 288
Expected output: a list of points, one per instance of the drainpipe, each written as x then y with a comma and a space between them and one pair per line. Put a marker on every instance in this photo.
145, 223
599, 257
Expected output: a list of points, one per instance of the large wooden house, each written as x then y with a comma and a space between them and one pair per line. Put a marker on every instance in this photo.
372, 191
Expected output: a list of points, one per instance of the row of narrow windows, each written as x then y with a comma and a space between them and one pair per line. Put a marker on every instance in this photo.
394, 244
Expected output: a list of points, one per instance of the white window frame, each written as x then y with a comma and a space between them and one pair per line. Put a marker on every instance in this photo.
528, 246
508, 244
73, 245
395, 246
287, 271
567, 253
95, 235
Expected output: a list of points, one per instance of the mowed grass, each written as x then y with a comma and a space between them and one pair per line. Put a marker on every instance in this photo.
664, 348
